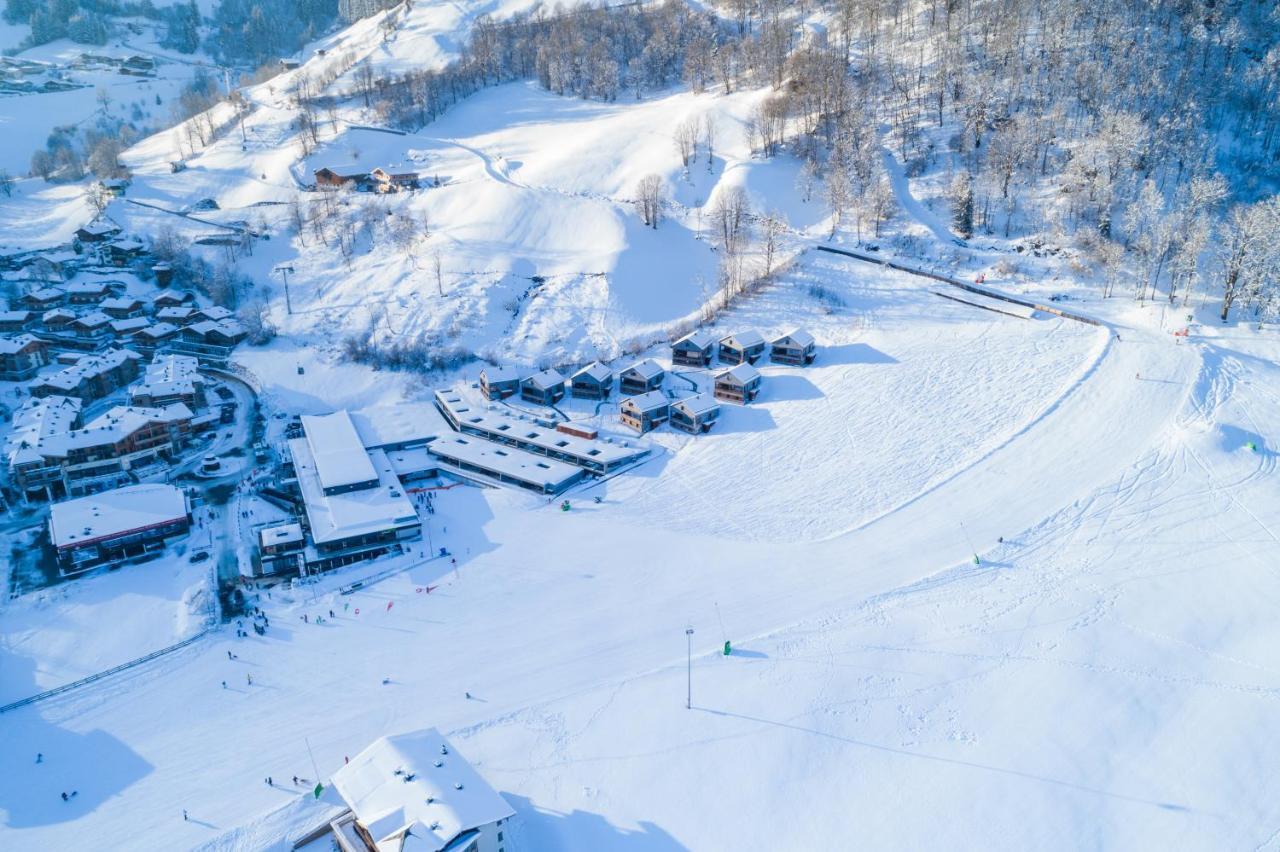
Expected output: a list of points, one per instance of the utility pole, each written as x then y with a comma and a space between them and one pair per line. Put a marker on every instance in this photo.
284, 273
688, 701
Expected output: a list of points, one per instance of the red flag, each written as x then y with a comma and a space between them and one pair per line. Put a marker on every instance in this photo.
389, 603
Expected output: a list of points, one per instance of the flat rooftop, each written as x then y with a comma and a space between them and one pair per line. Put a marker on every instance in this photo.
339, 456
531, 468
334, 517
133, 508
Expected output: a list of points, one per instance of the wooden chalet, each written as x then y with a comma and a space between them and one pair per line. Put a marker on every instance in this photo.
57, 319
16, 320
641, 378
594, 381
122, 307
499, 382
95, 324
694, 350
43, 299
21, 357
328, 177
87, 292
741, 384
171, 298
743, 348
544, 388
645, 412
797, 349
176, 315
695, 414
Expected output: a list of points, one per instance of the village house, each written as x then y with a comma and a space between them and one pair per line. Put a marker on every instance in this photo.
694, 350
222, 333
594, 381
415, 793
741, 384
58, 319
168, 379
499, 382
213, 313
21, 357
121, 307
280, 547
87, 292
641, 378
91, 377
33, 421
646, 412
544, 388
328, 178
123, 252
92, 325
176, 315
129, 327
42, 299
743, 348
695, 414
797, 349
115, 526
171, 298
98, 231
11, 321
384, 181
155, 334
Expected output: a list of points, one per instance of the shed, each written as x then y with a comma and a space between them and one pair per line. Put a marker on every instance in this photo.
744, 347
695, 414
740, 384
499, 382
641, 378
544, 388
645, 412
797, 348
694, 350
594, 381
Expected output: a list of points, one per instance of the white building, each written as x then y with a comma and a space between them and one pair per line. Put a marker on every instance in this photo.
117, 525
415, 793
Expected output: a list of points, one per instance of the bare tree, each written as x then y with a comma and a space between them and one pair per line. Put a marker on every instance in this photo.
730, 213
772, 230
709, 139
650, 196
686, 138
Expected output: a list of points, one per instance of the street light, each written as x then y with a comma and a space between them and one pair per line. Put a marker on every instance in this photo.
284, 273
688, 701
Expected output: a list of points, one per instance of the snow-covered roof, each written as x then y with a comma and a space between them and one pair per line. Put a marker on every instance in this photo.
124, 303
495, 375
75, 523
15, 316
417, 783
596, 371
215, 313
700, 339
544, 380
87, 288
398, 425
650, 401
743, 340
116, 424
125, 326
35, 420
533, 468
57, 314
280, 534
45, 294
14, 345
647, 369
169, 295
101, 228
89, 367
695, 405
160, 329
740, 374
175, 313
339, 454
799, 337
334, 517
96, 319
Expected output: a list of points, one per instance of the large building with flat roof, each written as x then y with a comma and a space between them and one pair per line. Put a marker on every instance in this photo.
117, 525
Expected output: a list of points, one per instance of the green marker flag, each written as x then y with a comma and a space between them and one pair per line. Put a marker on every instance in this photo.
976, 560
319, 789
726, 647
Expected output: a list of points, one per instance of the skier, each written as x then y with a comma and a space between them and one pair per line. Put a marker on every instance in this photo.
229, 657
64, 796
468, 694
386, 680
249, 679
295, 780
184, 814
331, 613
270, 783
39, 757
224, 684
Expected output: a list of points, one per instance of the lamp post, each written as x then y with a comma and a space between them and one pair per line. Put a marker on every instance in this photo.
688, 701
284, 273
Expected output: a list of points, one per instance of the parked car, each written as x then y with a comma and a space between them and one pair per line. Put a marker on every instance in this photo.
200, 556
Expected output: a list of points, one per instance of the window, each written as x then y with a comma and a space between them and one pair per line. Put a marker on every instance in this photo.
562, 443
499, 836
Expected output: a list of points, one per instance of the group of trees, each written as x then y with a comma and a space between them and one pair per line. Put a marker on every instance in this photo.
82, 21
254, 32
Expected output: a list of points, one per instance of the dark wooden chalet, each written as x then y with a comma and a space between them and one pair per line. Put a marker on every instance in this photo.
797, 349
594, 381
694, 350
499, 382
544, 388
740, 384
641, 378
645, 412
696, 414
743, 348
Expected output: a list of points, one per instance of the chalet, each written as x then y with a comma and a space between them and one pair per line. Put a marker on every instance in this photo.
123, 252
594, 381
33, 422
329, 178
92, 377
797, 348
57, 319
171, 298
21, 357
155, 334
169, 379
53, 265
384, 181
213, 313
98, 231
695, 414
87, 292
96, 324
280, 546
43, 299
499, 382
746, 347
16, 320
177, 315
645, 412
129, 327
641, 378
138, 66
164, 273
228, 332
122, 307
740, 384
694, 350
544, 388
115, 187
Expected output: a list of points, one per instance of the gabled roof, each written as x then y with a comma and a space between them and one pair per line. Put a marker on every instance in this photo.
160, 329
57, 313
97, 319
545, 380
648, 401
131, 324
695, 405
700, 339
743, 339
741, 374
799, 337
14, 345
595, 370
647, 369
494, 375
215, 313
87, 287
126, 302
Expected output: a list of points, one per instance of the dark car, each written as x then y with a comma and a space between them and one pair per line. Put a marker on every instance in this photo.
200, 556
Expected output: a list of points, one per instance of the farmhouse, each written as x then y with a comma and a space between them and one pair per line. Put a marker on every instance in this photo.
740, 384
645, 412
117, 525
383, 181
98, 231
11, 321
745, 347
594, 381
797, 348
499, 382
326, 177
415, 793
641, 378
123, 252
544, 388
695, 414
21, 357
694, 350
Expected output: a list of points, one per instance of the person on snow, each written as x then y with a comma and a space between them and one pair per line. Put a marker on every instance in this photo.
64, 796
